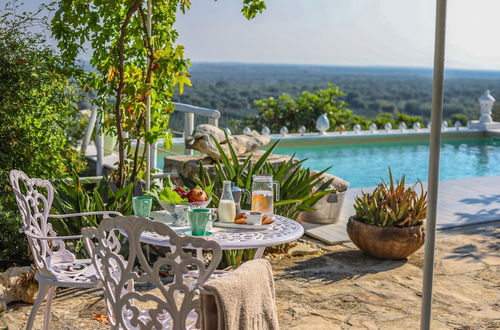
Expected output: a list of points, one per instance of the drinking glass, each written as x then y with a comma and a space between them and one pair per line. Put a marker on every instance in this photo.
198, 220
142, 206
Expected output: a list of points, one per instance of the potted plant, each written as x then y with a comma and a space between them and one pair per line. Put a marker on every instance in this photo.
388, 223
328, 207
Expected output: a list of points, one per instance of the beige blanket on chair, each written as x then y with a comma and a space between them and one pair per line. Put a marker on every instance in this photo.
241, 300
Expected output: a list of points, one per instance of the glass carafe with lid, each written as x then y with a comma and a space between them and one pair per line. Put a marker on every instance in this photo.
263, 193
227, 208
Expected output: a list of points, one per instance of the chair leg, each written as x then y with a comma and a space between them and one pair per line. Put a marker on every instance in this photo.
48, 305
42, 292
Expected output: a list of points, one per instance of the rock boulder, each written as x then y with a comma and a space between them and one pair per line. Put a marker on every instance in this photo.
17, 284
203, 136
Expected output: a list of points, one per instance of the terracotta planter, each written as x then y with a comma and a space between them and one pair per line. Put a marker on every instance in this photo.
385, 242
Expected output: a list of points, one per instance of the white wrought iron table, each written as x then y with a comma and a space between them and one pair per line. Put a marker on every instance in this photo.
282, 231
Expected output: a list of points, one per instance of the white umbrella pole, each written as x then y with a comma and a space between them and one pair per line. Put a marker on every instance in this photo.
433, 180
148, 107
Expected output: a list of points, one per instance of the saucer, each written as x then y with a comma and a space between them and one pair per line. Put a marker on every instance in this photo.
189, 233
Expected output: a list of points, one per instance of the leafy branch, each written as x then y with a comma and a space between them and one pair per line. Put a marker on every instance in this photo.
134, 69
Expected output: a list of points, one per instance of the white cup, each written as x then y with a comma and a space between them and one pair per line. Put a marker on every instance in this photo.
181, 215
254, 218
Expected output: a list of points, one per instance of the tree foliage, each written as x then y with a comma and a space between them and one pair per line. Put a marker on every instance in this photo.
134, 66
308, 106
36, 111
232, 88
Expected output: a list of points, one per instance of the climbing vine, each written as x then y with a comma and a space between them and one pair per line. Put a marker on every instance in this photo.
131, 66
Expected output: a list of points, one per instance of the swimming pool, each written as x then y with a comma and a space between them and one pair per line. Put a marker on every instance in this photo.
362, 165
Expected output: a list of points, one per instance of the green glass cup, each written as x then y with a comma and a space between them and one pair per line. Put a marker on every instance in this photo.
142, 206
198, 220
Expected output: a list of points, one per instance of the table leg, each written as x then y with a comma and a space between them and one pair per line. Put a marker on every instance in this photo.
259, 253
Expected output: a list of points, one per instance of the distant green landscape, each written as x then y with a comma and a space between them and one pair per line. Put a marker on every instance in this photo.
232, 88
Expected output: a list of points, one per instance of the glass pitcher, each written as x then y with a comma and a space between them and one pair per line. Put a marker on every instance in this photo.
237, 196
263, 188
227, 208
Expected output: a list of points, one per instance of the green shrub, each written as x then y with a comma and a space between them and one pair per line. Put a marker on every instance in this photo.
308, 106
303, 110
36, 110
13, 244
76, 196
463, 119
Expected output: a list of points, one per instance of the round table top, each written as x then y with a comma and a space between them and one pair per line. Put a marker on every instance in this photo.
282, 231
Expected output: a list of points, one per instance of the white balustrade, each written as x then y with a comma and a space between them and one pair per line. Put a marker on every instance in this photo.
486, 102
322, 124
284, 131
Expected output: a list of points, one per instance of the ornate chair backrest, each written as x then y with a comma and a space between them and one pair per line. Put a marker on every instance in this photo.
175, 277
34, 208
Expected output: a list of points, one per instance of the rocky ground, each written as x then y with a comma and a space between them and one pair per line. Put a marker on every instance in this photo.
338, 287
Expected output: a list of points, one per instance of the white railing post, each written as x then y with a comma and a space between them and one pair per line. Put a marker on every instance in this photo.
99, 145
89, 129
189, 112
188, 129
153, 153
213, 121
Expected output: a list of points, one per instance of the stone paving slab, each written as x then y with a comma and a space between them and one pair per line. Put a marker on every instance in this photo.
341, 288
344, 289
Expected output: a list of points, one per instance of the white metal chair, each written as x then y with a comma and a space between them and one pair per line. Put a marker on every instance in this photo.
128, 278
56, 265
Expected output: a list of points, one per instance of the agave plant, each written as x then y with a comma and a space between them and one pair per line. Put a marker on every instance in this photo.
300, 190
392, 204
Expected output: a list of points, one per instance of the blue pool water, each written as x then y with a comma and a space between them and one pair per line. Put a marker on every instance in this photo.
364, 165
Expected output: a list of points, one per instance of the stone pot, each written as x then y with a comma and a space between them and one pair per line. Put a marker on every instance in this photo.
327, 210
385, 242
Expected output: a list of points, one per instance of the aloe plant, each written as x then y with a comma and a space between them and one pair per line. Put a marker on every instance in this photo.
300, 190
392, 204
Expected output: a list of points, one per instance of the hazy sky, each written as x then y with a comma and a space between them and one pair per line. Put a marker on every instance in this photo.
341, 32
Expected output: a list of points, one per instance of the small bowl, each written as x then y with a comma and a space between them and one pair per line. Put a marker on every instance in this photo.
167, 206
254, 218
200, 205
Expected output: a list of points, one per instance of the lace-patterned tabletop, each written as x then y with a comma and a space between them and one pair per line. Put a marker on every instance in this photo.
283, 230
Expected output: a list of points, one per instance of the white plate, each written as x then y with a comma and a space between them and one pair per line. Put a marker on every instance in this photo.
241, 226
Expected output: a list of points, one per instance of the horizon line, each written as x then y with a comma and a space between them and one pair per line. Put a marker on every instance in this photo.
345, 66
